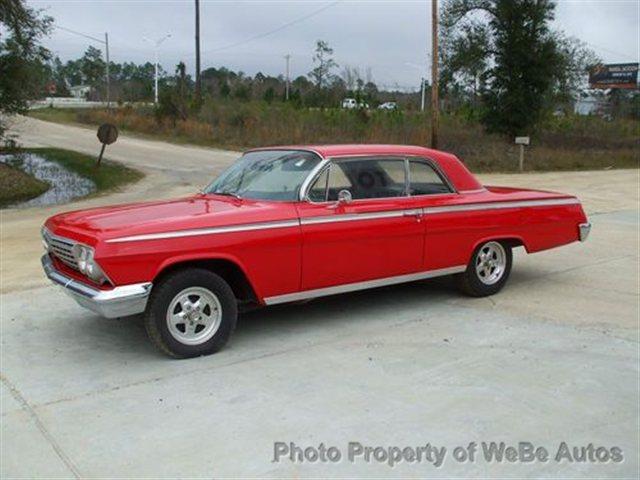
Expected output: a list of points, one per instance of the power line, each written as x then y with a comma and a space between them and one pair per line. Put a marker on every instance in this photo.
80, 33
105, 42
275, 30
610, 51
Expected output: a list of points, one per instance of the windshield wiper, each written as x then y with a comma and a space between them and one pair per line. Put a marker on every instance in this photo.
228, 194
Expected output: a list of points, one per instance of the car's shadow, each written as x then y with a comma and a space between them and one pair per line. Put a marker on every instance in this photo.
319, 316
326, 313
340, 308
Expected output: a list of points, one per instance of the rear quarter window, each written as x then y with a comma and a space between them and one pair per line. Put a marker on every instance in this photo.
424, 180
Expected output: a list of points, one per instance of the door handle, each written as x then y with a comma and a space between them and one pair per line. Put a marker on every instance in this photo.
413, 213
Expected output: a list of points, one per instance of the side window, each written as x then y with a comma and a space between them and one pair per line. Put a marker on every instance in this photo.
326, 189
318, 191
368, 178
337, 181
424, 180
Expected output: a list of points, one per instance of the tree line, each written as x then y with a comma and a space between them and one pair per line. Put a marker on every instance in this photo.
500, 63
325, 85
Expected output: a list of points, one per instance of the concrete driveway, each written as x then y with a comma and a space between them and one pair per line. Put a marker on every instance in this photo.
553, 358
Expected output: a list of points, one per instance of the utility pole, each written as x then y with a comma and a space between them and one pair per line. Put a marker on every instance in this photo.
434, 74
286, 85
198, 84
156, 45
423, 81
106, 42
106, 65
155, 77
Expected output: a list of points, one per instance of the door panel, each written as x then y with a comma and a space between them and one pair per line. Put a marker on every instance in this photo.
363, 240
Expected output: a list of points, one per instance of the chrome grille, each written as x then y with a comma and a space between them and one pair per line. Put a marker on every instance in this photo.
61, 248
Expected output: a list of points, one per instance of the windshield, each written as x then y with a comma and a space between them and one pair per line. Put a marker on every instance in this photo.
266, 175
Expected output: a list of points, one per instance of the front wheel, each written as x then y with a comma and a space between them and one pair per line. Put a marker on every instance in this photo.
487, 271
191, 312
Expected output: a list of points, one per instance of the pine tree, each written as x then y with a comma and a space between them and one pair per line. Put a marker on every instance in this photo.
522, 61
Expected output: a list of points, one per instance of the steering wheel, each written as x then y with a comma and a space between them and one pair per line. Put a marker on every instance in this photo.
366, 180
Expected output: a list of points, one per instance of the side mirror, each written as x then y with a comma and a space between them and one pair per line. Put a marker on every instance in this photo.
344, 196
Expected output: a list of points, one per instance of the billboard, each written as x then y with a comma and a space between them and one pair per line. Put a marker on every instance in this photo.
618, 75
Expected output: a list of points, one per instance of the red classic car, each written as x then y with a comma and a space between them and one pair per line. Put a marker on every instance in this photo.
290, 223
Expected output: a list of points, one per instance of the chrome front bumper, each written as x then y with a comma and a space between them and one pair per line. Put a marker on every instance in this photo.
118, 302
584, 228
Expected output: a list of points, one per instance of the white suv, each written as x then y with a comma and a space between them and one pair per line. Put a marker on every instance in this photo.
388, 106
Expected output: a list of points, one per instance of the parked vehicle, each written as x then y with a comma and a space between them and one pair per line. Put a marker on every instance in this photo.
388, 106
351, 103
293, 223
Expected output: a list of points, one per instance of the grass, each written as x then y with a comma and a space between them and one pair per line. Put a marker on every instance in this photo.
18, 186
108, 177
569, 143
58, 115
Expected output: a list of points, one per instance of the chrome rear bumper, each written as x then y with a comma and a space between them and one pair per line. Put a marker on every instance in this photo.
584, 228
118, 302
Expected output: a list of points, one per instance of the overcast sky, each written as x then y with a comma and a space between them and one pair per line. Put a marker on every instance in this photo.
390, 38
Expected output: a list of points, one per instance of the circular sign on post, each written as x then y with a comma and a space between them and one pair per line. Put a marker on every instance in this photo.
107, 133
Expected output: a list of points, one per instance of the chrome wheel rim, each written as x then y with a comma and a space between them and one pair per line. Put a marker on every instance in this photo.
194, 316
491, 261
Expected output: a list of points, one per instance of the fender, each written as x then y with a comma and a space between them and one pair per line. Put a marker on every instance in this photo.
490, 238
177, 259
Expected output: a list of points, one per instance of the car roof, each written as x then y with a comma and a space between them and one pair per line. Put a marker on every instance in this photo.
455, 170
341, 150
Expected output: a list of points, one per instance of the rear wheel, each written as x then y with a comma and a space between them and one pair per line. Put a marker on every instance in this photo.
487, 271
191, 312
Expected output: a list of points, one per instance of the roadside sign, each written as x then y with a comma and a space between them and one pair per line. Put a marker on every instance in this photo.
615, 75
522, 141
107, 134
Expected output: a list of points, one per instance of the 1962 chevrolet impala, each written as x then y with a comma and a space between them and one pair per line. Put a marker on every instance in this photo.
290, 223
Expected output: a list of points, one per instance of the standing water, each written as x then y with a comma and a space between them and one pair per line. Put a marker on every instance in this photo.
65, 184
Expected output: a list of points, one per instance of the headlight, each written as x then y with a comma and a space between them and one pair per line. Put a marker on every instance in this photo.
86, 264
45, 238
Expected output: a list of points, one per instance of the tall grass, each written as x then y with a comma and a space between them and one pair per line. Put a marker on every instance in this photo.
568, 143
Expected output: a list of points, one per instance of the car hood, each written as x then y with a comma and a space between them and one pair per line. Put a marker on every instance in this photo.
200, 211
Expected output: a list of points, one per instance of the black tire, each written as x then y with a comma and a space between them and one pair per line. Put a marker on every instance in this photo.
470, 281
167, 290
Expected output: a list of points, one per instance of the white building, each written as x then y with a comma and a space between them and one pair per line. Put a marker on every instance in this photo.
80, 91
592, 102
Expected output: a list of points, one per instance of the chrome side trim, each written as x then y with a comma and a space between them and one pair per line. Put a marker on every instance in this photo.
117, 302
352, 287
208, 231
343, 218
350, 217
585, 229
477, 190
498, 205
433, 210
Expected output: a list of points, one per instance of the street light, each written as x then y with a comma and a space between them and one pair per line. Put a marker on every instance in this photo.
422, 79
156, 45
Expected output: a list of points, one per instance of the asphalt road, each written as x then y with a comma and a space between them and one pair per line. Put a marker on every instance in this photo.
554, 357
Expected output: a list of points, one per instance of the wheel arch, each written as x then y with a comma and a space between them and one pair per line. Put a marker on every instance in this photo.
230, 269
509, 240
